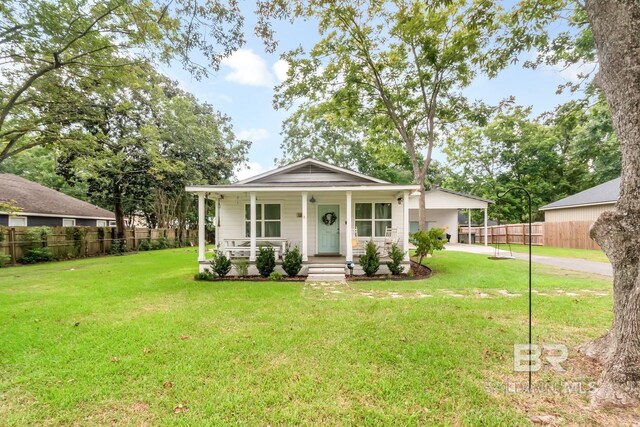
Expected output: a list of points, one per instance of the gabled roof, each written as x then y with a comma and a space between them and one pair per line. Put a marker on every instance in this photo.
602, 194
34, 198
309, 172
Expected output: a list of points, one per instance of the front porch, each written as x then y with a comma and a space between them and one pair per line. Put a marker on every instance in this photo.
328, 212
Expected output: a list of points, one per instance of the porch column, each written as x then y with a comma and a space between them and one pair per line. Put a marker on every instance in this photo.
201, 222
252, 229
469, 225
305, 252
486, 238
349, 231
405, 222
217, 223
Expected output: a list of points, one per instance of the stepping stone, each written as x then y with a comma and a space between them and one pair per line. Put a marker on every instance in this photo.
571, 294
507, 293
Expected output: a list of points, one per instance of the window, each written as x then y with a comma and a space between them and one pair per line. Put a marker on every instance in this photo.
68, 222
372, 218
101, 223
112, 223
267, 220
17, 221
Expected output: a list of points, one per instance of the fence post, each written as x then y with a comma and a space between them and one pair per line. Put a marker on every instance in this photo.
134, 238
12, 246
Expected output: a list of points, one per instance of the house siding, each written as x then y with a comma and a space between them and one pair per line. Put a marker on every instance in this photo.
232, 221
582, 213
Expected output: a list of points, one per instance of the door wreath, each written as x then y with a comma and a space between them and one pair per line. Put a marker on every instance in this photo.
329, 218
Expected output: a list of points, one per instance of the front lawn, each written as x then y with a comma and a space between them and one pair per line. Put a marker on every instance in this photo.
134, 340
587, 254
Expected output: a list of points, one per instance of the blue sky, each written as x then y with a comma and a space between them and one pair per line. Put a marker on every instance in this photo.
243, 89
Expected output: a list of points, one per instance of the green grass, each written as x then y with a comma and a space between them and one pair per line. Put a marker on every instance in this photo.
126, 340
588, 254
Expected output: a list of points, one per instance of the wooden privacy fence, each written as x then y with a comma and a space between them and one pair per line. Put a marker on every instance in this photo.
570, 234
80, 242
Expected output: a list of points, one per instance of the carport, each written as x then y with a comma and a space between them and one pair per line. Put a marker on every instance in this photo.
443, 206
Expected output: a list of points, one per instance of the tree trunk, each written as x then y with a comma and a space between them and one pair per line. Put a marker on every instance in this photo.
119, 211
422, 206
615, 25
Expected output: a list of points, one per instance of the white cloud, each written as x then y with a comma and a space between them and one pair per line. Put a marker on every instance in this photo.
248, 68
280, 69
253, 134
248, 170
574, 73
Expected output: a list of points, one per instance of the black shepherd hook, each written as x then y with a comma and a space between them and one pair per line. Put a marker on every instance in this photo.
500, 196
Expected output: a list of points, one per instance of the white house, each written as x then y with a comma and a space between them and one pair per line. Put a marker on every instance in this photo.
327, 211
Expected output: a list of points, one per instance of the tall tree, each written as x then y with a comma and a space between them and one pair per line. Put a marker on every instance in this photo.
53, 52
144, 142
393, 69
615, 24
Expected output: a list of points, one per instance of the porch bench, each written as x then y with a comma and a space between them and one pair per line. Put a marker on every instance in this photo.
244, 251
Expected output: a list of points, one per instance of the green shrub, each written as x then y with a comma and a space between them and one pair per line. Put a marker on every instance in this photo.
370, 261
397, 256
161, 243
275, 276
78, 235
410, 273
266, 261
118, 246
205, 275
242, 267
145, 245
220, 264
292, 261
35, 255
4, 260
428, 241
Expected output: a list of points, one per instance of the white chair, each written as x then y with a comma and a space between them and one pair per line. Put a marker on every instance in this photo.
390, 236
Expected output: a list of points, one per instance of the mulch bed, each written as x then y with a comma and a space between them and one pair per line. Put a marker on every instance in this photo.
419, 272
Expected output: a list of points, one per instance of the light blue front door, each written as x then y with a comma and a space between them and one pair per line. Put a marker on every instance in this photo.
328, 229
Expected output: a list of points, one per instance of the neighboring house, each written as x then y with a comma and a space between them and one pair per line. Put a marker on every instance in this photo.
43, 206
327, 211
587, 205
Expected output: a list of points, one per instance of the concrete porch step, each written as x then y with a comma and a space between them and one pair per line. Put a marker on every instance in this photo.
328, 265
326, 278
326, 270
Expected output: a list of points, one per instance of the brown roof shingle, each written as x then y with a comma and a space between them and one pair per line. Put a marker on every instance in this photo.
35, 198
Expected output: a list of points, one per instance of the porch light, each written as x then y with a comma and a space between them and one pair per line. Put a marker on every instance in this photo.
312, 199
399, 200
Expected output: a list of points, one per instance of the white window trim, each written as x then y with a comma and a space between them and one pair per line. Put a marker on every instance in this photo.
26, 221
372, 220
73, 220
262, 220
112, 223
101, 223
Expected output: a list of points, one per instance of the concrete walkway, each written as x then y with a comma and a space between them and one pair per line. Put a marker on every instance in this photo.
592, 267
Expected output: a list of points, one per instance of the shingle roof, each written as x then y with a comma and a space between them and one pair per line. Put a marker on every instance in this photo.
600, 194
35, 198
